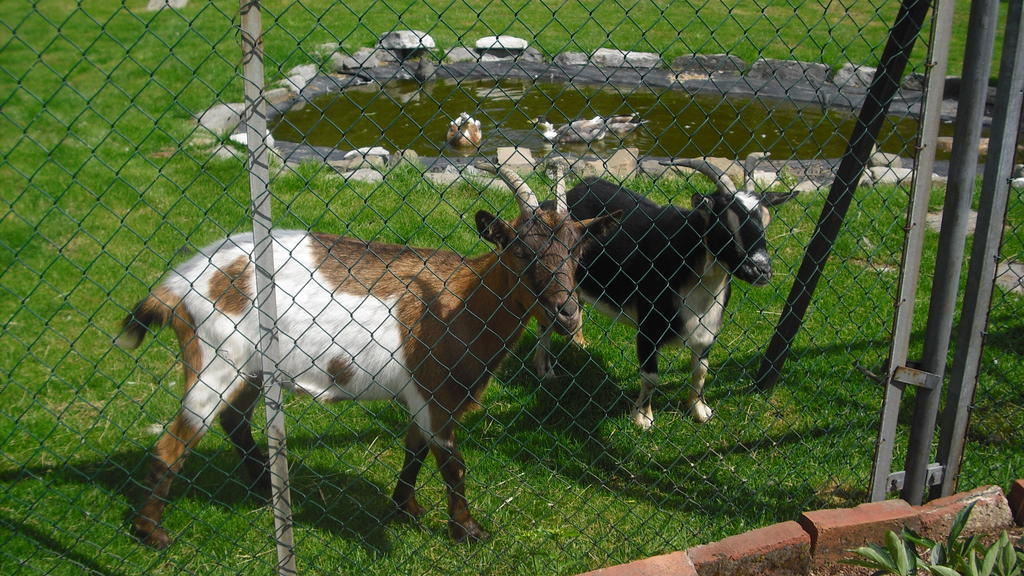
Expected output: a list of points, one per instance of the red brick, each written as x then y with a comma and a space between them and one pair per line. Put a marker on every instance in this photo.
991, 513
674, 564
834, 532
1016, 501
781, 550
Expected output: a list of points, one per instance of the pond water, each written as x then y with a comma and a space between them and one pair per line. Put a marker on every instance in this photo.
408, 115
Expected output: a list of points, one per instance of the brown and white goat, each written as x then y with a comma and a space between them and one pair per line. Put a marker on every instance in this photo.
361, 321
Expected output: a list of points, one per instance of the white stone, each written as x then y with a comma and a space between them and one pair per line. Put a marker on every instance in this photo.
367, 151
294, 83
364, 175
854, 76
623, 163
883, 159
326, 48
1010, 276
806, 187
243, 139
625, 58
155, 5
407, 40
461, 54
222, 119
306, 71
514, 157
887, 175
766, 178
501, 43
572, 59
277, 95
1017, 183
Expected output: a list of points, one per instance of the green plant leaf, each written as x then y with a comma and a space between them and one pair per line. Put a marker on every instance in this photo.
1007, 562
971, 565
958, 524
988, 563
912, 536
898, 550
878, 558
942, 571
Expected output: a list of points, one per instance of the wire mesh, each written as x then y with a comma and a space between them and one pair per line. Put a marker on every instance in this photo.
123, 164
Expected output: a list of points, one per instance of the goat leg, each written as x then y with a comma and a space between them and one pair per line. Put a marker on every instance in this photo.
461, 524
404, 495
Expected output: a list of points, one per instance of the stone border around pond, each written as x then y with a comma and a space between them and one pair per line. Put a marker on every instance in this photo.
406, 55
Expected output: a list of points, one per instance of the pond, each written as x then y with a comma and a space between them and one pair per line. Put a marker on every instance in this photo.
409, 115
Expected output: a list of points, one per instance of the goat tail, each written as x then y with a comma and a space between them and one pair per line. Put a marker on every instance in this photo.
155, 309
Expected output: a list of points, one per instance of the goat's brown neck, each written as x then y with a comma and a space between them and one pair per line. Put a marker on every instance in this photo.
495, 302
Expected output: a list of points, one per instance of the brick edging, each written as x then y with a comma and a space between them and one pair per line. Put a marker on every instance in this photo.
822, 538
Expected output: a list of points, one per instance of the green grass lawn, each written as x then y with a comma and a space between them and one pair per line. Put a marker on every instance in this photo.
106, 189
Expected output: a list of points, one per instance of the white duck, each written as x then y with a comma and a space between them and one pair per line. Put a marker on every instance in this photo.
464, 131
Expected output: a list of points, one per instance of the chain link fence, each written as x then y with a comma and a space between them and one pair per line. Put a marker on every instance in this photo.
125, 157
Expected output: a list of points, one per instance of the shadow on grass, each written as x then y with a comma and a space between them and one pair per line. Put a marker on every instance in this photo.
346, 505
59, 550
584, 417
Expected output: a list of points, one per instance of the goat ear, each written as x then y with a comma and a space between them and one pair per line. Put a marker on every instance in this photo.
494, 229
597, 228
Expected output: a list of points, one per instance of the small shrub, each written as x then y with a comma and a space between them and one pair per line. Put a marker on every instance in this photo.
955, 557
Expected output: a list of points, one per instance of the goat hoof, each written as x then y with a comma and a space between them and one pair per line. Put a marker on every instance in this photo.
152, 535
701, 412
643, 419
410, 510
467, 531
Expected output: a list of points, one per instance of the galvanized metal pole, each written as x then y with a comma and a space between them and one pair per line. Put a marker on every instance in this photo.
963, 168
913, 246
863, 138
255, 121
963, 377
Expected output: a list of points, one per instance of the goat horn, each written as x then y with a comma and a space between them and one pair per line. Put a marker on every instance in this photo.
527, 199
561, 202
723, 183
751, 163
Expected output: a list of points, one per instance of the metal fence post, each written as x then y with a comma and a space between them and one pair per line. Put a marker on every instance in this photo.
963, 377
913, 246
963, 168
255, 121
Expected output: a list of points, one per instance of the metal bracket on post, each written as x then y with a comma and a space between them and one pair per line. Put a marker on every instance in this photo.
914, 377
936, 472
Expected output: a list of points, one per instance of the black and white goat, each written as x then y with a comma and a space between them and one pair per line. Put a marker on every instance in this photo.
666, 271
361, 321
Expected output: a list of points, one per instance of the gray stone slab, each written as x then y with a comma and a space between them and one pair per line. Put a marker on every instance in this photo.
789, 72
710, 64
614, 58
